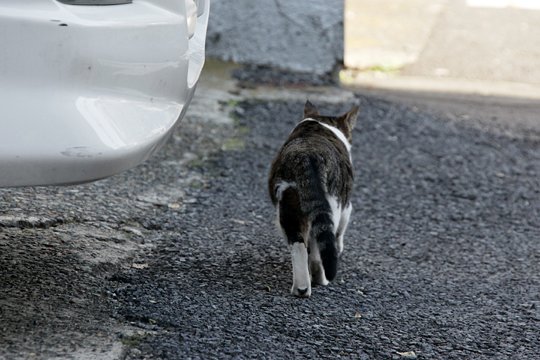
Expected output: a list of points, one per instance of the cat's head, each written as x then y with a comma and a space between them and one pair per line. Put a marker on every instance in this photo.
345, 123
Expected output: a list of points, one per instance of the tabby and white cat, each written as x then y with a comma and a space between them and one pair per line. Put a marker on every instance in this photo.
310, 184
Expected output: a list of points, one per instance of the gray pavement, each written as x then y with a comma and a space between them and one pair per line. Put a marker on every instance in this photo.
482, 47
179, 258
482, 43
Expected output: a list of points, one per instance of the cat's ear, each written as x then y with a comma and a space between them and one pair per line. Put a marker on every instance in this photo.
310, 110
351, 116
347, 121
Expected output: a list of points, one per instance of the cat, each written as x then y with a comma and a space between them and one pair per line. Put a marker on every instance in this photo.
310, 185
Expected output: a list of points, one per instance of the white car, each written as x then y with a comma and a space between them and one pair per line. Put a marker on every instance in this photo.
89, 88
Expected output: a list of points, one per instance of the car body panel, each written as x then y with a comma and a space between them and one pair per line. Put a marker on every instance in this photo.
90, 91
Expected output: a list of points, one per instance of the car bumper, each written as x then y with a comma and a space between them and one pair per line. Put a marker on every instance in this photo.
90, 91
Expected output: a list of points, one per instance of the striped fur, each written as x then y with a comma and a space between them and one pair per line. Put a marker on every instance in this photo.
310, 184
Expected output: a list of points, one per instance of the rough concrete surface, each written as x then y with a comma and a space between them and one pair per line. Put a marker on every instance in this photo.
179, 258
304, 35
484, 47
482, 43
387, 34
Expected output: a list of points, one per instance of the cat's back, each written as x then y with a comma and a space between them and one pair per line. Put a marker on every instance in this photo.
310, 149
311, 138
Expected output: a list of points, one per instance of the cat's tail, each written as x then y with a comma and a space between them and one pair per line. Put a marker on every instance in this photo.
322, 226
322, 230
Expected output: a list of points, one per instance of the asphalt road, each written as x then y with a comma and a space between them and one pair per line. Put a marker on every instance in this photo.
179, 258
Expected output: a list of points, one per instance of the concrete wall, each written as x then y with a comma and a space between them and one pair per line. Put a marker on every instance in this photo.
300, 35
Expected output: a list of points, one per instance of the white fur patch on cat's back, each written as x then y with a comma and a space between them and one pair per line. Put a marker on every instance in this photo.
339, 134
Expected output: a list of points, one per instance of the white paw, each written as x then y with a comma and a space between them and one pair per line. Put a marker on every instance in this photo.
340, 245
317, 273
301, 282
323, 281
320, 279
301, 292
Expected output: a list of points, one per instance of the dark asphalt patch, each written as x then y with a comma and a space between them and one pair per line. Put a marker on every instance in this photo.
256, 75
441, 261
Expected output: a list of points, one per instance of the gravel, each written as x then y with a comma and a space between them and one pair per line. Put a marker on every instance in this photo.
441, 261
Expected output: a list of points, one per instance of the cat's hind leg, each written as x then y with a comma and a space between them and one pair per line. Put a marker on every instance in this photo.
343, 222
294, 225
315, 264
301, 282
